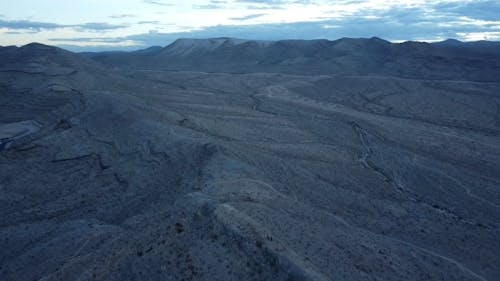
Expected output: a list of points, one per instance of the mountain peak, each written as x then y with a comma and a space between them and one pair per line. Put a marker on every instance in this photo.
41, 58
38, 46
379, 40
450, 42
189, 46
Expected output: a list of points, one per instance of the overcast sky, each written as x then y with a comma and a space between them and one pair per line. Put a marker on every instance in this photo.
134, 24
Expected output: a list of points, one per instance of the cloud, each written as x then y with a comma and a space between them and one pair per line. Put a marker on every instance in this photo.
484, 10
266, 7
157, 2
148, 22
248, 17
272, 4
266, 2
90, 39
31, 25
208, 7
97, 26
38, 26
276, 2
122, 16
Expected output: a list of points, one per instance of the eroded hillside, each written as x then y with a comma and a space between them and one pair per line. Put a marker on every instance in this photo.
150, 174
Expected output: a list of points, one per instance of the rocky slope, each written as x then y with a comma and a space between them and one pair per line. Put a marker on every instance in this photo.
149, 174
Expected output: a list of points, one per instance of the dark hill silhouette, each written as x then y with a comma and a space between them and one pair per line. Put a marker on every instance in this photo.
445, 60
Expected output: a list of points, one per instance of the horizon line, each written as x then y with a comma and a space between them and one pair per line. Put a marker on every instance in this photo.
106, 48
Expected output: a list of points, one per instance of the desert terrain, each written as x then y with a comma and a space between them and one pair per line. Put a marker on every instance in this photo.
226, 159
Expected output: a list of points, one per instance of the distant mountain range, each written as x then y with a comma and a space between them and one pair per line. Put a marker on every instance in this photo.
442, 60
449, 59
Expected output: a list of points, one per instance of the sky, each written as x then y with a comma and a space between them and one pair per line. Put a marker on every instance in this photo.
96, 25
